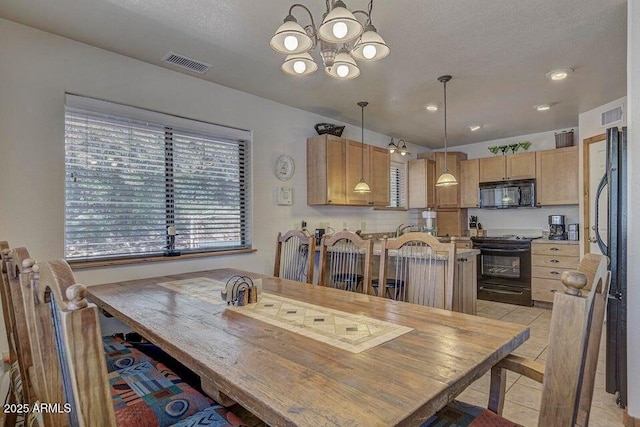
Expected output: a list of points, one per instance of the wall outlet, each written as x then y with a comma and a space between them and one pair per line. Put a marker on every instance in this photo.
363, 225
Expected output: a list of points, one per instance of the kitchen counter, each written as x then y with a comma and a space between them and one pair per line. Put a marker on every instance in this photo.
554, 242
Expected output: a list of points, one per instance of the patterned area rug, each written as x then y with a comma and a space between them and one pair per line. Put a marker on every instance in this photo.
352, 332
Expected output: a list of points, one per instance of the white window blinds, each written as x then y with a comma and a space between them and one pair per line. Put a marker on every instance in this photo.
131, 173
398, 185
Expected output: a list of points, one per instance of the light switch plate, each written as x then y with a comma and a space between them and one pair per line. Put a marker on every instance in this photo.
284, 196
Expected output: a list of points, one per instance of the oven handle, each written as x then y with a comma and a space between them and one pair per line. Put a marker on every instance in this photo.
500, 291
503, 250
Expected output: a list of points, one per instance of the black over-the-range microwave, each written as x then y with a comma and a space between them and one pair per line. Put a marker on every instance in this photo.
513, 194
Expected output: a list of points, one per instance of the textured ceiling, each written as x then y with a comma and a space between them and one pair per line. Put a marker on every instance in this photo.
498, 52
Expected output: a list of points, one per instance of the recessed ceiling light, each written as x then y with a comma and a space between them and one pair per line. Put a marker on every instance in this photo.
542, 107
560, 73
474, 128
432, 108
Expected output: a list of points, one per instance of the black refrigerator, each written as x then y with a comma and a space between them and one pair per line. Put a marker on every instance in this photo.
615, 247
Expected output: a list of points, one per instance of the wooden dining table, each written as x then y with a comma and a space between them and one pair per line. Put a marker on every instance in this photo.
308, 355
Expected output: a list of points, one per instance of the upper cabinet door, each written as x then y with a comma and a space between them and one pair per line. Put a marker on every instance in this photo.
521, 166
355, 171
448, 197
421, 182
557, 177
469, 176
493, 169
379, 176
325, 170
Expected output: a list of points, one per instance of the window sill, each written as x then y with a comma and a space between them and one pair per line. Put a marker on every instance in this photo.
80, 265
389, 209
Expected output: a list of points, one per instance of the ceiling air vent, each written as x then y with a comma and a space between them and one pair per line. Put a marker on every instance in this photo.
612, 116
185, 62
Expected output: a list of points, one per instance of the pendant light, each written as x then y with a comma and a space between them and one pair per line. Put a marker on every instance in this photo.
362, 186
446, 179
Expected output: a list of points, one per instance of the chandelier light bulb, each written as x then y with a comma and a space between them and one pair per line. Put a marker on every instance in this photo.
299, 67
340, 30
369, 51
342, 71
392, 150
291, 43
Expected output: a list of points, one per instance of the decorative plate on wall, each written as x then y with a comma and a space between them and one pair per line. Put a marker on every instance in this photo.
285, 167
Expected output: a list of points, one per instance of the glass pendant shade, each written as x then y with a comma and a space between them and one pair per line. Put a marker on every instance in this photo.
362, 187
446, 180
291, 38
370, 46
344, 66
301, 64
339, 26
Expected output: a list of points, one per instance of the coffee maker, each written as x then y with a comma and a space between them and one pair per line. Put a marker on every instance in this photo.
556, 227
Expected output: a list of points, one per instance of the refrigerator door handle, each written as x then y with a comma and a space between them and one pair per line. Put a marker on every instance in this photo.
601, 244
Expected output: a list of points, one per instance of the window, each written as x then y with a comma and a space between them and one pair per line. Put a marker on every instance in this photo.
131, 174
398, 185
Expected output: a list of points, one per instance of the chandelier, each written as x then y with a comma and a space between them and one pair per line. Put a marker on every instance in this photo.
341, 38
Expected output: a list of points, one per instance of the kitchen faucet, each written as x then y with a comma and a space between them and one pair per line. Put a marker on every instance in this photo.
401, 228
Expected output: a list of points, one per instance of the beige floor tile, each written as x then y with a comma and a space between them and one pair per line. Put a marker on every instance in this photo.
604, 400
519, 316
474, 397
525, 396
495, 312
520, 414
482, 383
599, 417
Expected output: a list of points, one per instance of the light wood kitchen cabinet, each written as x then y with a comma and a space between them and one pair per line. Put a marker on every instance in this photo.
469, 176
451, 222
379, 176
334, 167
326, 159
548, 261
354, 172
449, 196
377, 167
557, 177
421, 181
511, 167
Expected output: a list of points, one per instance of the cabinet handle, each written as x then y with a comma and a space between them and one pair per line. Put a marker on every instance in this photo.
554, 249
328, 201
555, 273
555, 261
370, 203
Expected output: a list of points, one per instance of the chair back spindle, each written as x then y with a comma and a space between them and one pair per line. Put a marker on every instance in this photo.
295, 253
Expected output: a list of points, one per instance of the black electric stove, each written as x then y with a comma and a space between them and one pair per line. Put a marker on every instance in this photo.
504, 268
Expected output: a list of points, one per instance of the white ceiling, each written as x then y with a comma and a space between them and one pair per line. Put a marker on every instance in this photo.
498, 52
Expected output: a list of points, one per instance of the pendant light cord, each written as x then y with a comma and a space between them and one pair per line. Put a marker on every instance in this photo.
446, 166
362, 141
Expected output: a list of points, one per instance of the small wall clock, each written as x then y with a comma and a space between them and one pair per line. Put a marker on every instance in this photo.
285, 167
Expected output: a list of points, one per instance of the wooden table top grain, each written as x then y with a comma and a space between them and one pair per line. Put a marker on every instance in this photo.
288, 379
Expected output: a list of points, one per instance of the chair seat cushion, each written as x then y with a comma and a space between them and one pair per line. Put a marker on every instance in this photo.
147, 395
459, 414
121, 354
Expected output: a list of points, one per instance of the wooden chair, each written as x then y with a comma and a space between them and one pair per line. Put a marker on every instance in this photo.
568, 375
143, 394
346, 262
18, 335
417, 268
295, 253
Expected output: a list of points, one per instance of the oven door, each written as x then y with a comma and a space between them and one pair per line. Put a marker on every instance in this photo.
504, 275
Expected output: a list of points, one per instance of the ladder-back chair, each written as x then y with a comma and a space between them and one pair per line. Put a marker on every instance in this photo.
295, 253
568, 375
346, 262
417, 268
